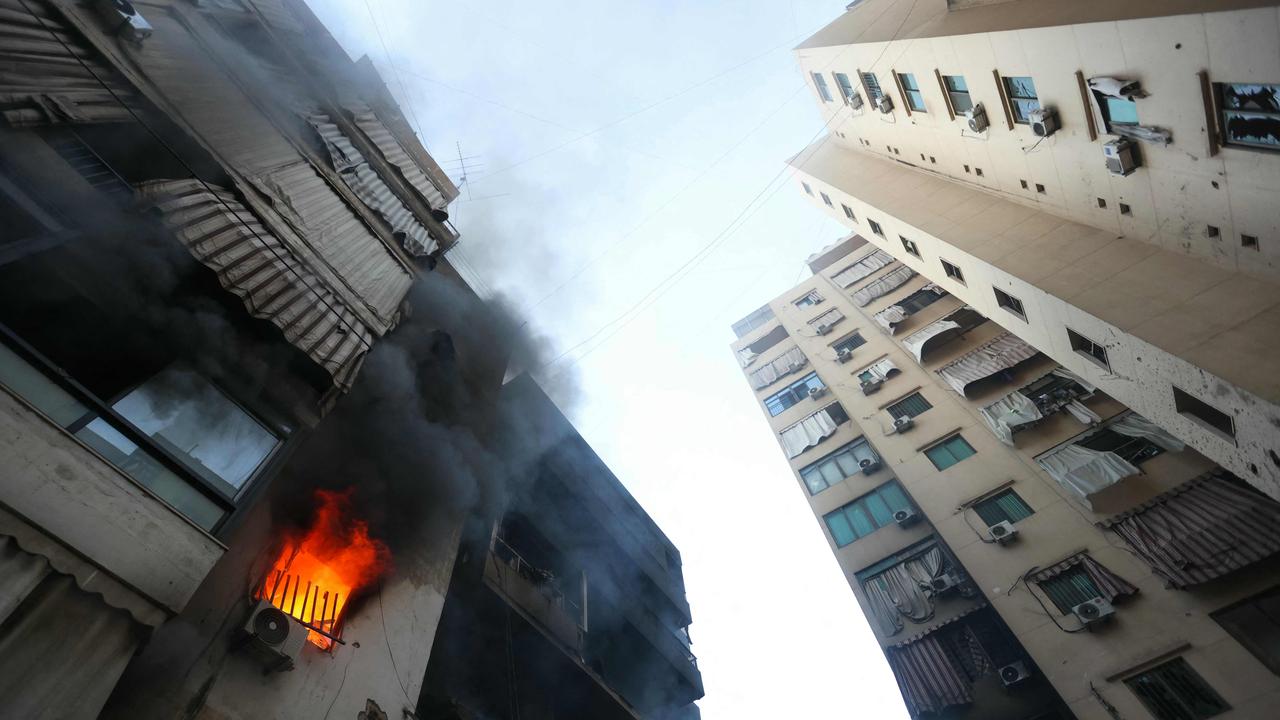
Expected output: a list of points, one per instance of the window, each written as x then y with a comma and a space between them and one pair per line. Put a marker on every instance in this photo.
1204, 413
792, 394
1040, 188
915, 100
1117, 111
1010, 303
820, 83
1021, 92
952, 271
811, 298
758, 319
1125, 209
1255, 624
848, 212
1004, 506
866, 514
875, 227
1212, 231
949, 452
918, 300
977, 171
909, 246
873, 86
848, 342
808, 190
1102, 203
827, 319
826, 199
1025, 186
909, 406
1088, 349
1174, 691
846, 87
834, 468
1136, 450
1250, 114
1069, 588
933, 160
958, 91
1249, 241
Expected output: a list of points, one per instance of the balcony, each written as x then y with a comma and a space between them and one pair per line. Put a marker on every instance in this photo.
537, 594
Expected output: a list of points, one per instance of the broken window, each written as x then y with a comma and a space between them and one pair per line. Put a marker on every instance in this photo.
1250, 114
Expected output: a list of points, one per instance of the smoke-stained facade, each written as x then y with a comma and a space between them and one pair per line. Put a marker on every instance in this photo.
248, 407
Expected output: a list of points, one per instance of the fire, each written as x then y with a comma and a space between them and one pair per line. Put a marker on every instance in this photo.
315, 574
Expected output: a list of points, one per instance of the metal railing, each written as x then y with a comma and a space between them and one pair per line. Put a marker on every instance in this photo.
544, 580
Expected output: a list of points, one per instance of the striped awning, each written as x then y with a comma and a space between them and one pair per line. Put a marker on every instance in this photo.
1201, 530
862, 268
393, 152
785, 364
928, 677
43, 82
257, 267
1111, 586
1000, 353
883, 285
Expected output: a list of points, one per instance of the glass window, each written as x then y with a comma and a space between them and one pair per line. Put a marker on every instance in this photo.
958, 91
846, 87
1010, 303
866, 514
949, 452
1174, 691
909, 406
792, 394
813, 297
1022, 98
873, 85
918, 300
1088, 348
1004, 506
875, 227
1255, 624
1069, 588
1250, 114
848, 212
909, 246
914, 98
952, 271
848, 342
826, 199
808, 190
820, 83
834, 468
1120, 111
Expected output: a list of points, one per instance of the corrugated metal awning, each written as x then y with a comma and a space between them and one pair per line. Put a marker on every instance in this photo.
393, 152
47, 71
1201, 530
257, 267
1000, 353
883, 285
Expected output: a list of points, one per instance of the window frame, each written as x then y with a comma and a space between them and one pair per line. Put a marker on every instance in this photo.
861, 504
1021, 115
807, 190
946, 443
910, 246
833, 457
1191, 407
1011, 304
1078, 343
1223, 113
909, 302
826, 199
911, 92
992, 501
820, 83
872, 84
953, 271
847, 338
1189, 673
1074, 578
953, 92
848, 212
907, 412
809, 299
845, 85
790, 390
876, 227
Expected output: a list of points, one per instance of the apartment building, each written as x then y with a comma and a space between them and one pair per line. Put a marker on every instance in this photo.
567, 601
1023, 544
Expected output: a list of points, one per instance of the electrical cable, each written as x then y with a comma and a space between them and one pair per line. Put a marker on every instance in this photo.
182, 161
1023, 579
399, 80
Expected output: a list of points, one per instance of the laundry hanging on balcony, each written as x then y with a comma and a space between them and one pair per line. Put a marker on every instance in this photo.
862, 268
883, 285
1201, 530
808, 432
1000, 353
789, 362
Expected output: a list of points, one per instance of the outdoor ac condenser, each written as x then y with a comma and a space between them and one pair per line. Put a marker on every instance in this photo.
274, 635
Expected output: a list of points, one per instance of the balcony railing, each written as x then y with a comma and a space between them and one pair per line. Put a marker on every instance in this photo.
537, 592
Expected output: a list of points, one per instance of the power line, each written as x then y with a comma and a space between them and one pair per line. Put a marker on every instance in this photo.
399, 80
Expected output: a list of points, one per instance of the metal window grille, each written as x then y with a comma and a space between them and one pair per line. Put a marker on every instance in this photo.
1175, 691
910, 406
1003, 507
1070, 588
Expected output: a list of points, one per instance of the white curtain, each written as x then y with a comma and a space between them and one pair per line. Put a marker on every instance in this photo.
807, 433
787, 363
1008, 412
883, 285
915, 342
1084, 471
890, 316
1135, 425
999, 353
746, 356
862, 268
903, 591
830, 317
1065, 373
1117, 87
1081, 413
880, 370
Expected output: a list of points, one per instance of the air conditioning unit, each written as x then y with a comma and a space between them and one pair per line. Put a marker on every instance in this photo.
844, 355
854, 101
823, 329
944, 583
903, 424
1094, 612
976, 118
1122, 156
884, 104
1014, 673
905, 518
274, 635
871, 386
817, 392
1044, 121
869, 466
123, 19
1003, 532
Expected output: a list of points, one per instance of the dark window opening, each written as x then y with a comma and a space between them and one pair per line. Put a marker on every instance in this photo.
1088, 348
1255, 624
1070, 588
1040, 188
1102, 203
1212, 231
792, 394
1250, 114
1206, 414
873, 86
1005, 506
952, 271
1025, 186
1136, 450
875, 227
1249, 241
849, 342
909, 246
1010, 303
977, 171
1125, 209
918, 300
909, 406
1174, 691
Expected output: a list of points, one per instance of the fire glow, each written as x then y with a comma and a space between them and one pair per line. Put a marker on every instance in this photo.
315, 574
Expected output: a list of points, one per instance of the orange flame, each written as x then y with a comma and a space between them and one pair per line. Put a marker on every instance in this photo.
314, 575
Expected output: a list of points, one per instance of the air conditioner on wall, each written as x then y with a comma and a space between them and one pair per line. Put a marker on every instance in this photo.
884, 104
903, 424
976, 118
1003, 532
817, 392
1044, 121
871, 386
905, 518
854, 101
1094, 612
823, 329
1014, 673
274, 635
869, 466
123, 19
944, 583
1121, 156
844, 355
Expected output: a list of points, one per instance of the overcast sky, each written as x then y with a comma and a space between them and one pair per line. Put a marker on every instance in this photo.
609, 143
